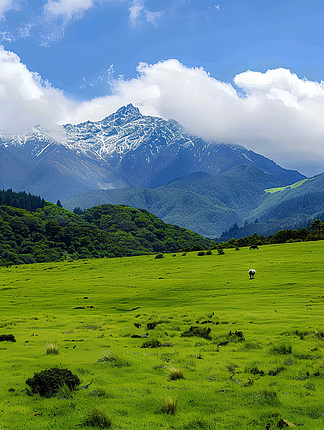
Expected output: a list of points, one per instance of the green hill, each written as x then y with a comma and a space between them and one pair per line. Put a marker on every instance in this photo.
51, 233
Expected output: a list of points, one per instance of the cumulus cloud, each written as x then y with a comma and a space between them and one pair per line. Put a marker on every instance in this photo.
25, 100
279, 115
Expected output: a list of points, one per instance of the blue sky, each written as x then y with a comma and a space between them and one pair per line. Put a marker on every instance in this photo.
242, 71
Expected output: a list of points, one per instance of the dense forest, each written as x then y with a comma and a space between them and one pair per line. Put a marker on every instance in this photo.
52, 233
48, 232
315, 231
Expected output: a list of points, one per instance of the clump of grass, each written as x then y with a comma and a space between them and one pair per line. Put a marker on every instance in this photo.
198, 332
319, 334
276, 371
168, 405
64, 392
114, 358
96, 417
198, 423
52, 348
175, 374
154, 343
237, 336
281, 349
254, 370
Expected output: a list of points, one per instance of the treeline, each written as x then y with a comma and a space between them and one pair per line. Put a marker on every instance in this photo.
21, 200
314, 232
52, 233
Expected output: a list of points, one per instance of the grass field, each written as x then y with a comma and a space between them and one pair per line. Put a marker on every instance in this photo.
295, 185
262, 367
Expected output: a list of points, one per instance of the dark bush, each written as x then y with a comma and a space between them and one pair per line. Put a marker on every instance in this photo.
197, 248
198, 332
7, 337
152, 344
238, 336
152, 325
281, 349
159, 256
48, 382
200, 253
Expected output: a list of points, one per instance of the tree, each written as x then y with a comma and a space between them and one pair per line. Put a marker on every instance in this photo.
317, 225
59, 204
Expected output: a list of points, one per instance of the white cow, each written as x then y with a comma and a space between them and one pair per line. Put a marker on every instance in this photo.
252, 273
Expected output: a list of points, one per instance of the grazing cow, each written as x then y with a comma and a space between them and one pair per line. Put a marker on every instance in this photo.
252, 273
254, 247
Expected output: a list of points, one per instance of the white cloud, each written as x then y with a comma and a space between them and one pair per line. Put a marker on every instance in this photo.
280, 116
135, 11
5, 5
25, 100
67, 8
138, 14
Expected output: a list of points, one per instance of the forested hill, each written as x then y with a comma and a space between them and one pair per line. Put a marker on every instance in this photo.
52, 233
21, 200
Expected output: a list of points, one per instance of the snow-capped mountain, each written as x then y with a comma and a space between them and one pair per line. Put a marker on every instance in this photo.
126, 149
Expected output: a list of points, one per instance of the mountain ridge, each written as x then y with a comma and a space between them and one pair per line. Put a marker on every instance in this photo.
125, 149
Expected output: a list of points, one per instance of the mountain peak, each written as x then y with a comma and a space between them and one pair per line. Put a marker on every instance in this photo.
130, 109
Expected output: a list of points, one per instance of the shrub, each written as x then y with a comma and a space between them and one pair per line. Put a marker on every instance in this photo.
201, 253
48, 382
51, 348
96, 417
238, 336
7, 337
168, 405
254, 370
209, 252
276, 371
198, 332
282, 349
159, 256
197, 248
152, 344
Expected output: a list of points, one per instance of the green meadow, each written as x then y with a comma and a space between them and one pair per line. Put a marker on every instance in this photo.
254, 360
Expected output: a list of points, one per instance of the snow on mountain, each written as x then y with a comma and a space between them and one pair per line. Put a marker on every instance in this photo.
125, 149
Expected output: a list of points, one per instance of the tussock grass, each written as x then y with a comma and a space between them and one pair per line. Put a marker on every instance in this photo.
97, 417
115, 358
52, 348
168, 405
175, 374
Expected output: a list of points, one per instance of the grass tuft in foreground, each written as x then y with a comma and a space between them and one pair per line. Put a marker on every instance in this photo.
96, 417
168, 405
52, 348
114, 358
175, 374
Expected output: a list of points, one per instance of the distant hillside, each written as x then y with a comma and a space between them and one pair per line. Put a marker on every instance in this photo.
53, 233
285, 208
211, 204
